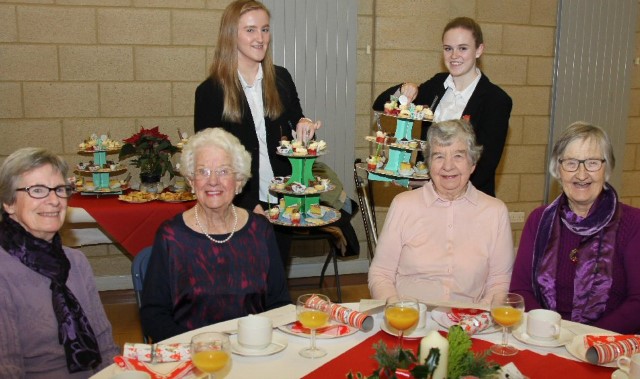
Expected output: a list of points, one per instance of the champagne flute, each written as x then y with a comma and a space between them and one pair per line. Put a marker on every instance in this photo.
506, 310
401, 313
210, 352
313, 312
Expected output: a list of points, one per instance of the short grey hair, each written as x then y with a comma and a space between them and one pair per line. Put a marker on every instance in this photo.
22, 161
220, 138
444, 133
583, 131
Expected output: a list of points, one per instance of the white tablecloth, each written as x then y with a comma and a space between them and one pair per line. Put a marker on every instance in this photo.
289, 364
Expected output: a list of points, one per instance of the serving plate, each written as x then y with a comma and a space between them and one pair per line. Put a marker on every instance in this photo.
176, 197
138, 197
577, 348
440, 315
334, 330
329, 215
414, 334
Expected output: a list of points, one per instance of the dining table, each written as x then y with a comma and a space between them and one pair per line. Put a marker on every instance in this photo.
131, 225
353, 352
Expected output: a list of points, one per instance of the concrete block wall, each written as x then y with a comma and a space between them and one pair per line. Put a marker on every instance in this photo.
401, 41
69, 68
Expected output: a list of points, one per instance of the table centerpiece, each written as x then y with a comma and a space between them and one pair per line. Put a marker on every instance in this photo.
151, 152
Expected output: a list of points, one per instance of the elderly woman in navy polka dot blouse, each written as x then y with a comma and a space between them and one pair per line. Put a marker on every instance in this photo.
215, 261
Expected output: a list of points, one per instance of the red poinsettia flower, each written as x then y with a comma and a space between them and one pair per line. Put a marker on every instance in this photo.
152, 151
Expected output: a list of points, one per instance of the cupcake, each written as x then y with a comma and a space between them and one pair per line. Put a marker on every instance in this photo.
274, 213
372, 163
295, 218
380, 136
313, 148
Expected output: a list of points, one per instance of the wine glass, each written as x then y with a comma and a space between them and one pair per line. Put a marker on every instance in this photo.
506, 310
401, 313
313, 312
210, 352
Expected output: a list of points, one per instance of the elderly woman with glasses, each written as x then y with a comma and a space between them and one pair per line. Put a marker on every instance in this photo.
215, 261
580, 255
445, 241
52, 323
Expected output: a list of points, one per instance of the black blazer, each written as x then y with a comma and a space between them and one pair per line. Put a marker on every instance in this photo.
489, 109
208, 114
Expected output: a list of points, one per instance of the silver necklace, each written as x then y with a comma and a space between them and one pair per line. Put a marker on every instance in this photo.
235, 224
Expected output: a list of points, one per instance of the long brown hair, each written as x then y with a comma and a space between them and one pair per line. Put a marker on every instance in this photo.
224, 68
468, 24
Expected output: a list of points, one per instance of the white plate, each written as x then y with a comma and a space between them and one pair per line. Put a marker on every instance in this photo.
405, 173
619, 374
521, 335
349, 330
277, 345
439, 315
416, 333
577, 349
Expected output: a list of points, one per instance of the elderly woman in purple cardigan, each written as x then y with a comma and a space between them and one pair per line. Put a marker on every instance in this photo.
580, 255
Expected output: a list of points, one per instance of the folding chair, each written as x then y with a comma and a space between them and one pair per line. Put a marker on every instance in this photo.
365, 200
138, 270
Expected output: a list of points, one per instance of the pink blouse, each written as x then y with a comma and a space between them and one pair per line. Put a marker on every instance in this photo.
439, 250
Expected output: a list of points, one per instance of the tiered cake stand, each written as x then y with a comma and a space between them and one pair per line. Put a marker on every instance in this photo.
102, 175
303, 196
399, 146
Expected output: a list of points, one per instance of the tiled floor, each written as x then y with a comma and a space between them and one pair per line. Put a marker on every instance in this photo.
122, 310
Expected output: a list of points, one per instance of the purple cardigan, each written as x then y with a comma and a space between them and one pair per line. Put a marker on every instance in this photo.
623, 306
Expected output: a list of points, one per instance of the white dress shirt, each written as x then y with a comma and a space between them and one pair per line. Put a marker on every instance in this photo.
453, 101
254, 97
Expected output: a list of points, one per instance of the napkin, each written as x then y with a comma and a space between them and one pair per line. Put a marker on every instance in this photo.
510, 371
157, 353
607, 348
471, 320
344, 315
180, 371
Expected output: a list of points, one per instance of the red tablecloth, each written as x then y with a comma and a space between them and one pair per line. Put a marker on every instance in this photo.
533, 365
131, 225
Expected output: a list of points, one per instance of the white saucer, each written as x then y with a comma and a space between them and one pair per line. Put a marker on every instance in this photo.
416, 333
521, 335
277, 345
619, 374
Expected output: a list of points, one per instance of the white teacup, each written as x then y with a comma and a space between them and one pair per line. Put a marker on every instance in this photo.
255, 332
422, 321
631, 366
543, 324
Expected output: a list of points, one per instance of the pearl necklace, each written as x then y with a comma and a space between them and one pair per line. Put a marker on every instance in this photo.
235, 224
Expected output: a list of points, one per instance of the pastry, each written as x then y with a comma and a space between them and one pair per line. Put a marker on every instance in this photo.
405, 166
315, 210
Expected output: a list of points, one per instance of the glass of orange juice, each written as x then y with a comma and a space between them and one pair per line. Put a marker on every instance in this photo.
313, 315
210, 352
401, 313
506, 310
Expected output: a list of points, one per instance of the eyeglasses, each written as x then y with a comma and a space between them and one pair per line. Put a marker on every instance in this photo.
572, 165
40, 191
205, 172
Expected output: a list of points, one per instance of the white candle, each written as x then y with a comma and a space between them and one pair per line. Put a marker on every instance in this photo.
431, 340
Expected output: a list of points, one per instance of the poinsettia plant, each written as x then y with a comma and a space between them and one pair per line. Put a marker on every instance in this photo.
152, 152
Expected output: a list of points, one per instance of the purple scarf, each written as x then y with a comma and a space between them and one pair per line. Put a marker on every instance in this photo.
593, 275
49, 260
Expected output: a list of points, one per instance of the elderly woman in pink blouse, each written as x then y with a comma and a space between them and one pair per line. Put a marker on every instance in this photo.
445, 241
